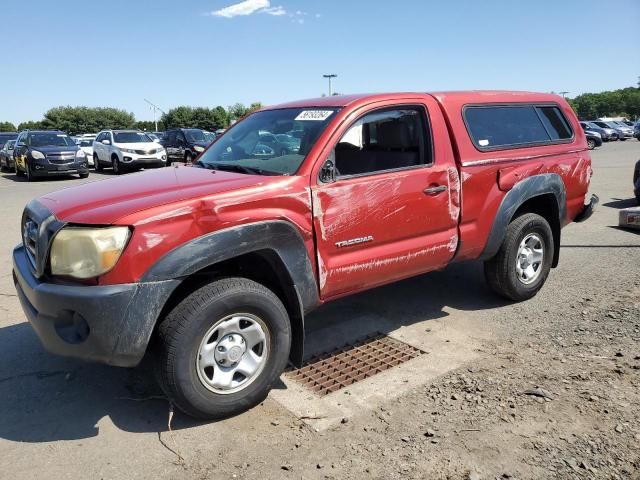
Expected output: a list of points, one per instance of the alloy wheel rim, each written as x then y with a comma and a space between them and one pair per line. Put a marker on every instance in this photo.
233, 353
530, 258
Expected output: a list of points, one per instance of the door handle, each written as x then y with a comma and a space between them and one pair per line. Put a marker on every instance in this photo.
435, 189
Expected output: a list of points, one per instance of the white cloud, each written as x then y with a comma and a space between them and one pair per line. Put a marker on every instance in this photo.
275, 11
250, 7
247, 7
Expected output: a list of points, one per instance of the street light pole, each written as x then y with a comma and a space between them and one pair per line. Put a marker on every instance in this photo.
155, 107
330, 77
564, 94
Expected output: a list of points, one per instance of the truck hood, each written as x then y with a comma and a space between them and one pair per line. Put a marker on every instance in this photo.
104, 202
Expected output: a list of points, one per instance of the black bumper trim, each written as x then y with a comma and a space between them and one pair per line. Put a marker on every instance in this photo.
588, 209
115, 321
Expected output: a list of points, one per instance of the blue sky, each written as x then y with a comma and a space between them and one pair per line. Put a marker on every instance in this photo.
202, 53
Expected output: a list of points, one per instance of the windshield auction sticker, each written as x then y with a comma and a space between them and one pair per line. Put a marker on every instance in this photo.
314, 115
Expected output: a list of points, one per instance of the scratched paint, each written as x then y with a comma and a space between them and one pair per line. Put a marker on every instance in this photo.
454, 193
401, 259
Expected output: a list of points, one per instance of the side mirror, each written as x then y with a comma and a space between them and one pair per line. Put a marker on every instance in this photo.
328, 172
106, 142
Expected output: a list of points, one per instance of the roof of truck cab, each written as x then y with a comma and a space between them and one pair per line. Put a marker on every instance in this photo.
463, 97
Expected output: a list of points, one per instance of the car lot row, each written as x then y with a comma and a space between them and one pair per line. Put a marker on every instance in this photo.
45, 153
603, 130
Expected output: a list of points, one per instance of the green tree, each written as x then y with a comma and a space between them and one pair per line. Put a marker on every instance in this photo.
7, 127
199, 117
148, 125
624, 102
30, 125
74, 120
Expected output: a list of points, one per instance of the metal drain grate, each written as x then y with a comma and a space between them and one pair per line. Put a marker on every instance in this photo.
352, 363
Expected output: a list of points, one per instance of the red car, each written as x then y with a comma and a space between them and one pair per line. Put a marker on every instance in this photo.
215, 266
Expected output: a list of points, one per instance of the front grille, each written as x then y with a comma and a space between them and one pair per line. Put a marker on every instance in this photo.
146, 152
30, 239
39, 226
61, 158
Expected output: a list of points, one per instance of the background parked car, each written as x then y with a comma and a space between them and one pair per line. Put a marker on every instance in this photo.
126, 150
593, 139
86, 145
603, 129
607, 134
624, 128
44, 153
620, 132
636, 130
6, 136
184, 144
6, 156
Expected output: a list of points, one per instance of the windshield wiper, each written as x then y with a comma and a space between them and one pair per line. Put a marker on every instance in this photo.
229, 167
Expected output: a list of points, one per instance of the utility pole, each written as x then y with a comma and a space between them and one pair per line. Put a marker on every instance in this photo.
330, 76
564, 94
155, 107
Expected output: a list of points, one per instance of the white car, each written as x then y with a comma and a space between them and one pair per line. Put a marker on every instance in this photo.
86, 145
125, 150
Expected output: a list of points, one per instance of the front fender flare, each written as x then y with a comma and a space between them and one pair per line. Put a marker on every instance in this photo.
278, 236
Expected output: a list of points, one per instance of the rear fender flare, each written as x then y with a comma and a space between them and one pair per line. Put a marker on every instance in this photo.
531, 187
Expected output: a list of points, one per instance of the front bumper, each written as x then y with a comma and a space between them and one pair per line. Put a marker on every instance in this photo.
110, 324
588, 209
50, 169
144, 160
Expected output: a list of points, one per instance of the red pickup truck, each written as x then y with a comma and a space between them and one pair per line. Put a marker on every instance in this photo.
214, 266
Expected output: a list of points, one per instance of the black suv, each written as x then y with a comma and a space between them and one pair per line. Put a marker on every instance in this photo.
184, 144
45, 153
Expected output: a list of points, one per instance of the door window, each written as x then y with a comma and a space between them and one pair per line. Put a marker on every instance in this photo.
384, 140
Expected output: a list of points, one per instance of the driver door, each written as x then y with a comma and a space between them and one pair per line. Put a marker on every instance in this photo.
391, 211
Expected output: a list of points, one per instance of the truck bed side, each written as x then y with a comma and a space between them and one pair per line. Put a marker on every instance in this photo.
487, 176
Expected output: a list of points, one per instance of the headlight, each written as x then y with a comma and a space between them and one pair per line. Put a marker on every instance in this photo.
87, 252
80, 154
127, 150
198, 149
36, 155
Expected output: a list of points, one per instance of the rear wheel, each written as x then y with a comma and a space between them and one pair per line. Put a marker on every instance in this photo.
523, 262
222, 348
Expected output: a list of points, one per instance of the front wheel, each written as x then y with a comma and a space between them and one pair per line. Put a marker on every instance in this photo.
96, 163
115, 164
188, 158
523, 262
222, 348
591, 144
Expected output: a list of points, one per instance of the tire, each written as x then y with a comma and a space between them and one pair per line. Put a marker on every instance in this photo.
27, 172
591, 144
96, 163
189, 328
83, 175
188, 158
115, 164
623, 139
501, 271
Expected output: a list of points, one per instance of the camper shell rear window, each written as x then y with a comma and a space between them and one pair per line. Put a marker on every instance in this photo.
496, 127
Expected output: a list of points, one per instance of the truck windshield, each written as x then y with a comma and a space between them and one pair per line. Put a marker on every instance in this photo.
262, 143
